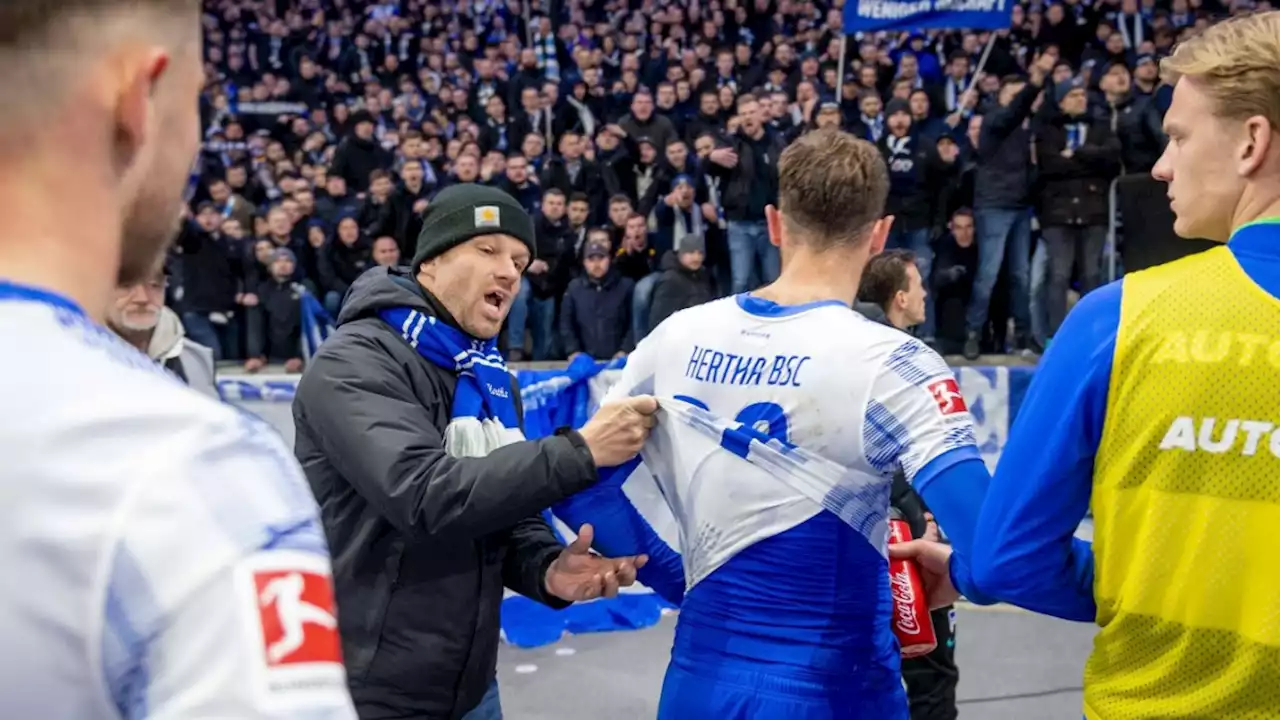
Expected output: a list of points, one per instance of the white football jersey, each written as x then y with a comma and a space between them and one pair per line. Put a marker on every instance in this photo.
162, 552
774, 413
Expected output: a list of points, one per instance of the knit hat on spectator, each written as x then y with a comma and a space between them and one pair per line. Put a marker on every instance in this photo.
681, 178
896, 106
691, 243
1061, 89
461, 212
361, 116
284, 254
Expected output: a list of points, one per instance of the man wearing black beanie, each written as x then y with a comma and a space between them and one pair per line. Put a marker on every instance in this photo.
409, 430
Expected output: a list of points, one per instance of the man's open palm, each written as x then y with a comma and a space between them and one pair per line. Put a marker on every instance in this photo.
578, 574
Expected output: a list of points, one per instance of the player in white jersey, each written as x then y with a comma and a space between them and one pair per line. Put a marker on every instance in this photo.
140, 522
767, 396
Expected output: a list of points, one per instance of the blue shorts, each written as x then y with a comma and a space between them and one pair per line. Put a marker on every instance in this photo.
728, 694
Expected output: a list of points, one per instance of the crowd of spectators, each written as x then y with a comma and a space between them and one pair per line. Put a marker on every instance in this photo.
644, 135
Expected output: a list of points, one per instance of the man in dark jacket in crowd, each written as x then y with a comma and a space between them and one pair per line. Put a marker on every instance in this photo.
750, 170
1002, 189
571, 173
544, 281
403, 220
341, 260
1078, 156
643, 122
595, 317
684, 282
954, 267
274, 331
210, 279
1134, 119
430, 494
521, 184
360, 154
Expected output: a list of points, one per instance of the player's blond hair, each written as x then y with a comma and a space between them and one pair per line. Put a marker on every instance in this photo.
1237, 63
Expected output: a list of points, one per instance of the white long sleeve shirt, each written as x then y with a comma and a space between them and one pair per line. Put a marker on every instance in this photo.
162, 554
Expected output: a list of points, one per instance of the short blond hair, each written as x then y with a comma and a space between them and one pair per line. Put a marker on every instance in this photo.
831, 187
1237, 63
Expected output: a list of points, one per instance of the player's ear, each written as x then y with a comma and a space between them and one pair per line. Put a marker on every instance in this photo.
880, 234
773, 221
1256, 144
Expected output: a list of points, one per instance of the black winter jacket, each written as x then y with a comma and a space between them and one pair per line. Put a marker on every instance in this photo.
281, 304
678, 289
1074, 190
595, 316
340, 264
355, 159
1004, 175
422, 543
735, 195
210, 270
1137, 122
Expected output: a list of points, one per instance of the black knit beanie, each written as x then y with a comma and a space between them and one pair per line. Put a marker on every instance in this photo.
461, 212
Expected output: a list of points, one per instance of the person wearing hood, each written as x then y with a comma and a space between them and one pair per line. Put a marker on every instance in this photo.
409, 429
139, 316
359, 154
1079, 155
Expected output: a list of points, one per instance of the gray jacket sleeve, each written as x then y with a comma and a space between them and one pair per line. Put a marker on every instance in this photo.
358, 403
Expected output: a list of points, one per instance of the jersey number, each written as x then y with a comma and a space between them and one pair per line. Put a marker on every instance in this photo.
761, 421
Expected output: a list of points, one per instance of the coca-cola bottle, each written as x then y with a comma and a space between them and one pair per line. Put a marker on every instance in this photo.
911, 620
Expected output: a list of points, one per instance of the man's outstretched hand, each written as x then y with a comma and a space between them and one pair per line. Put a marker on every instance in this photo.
934, 561
578, 574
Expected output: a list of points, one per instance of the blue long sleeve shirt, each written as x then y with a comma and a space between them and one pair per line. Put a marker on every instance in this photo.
1027, 554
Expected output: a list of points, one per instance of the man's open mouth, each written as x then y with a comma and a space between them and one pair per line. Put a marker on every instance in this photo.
496, 299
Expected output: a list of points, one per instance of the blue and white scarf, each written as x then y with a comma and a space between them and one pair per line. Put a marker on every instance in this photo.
484, 412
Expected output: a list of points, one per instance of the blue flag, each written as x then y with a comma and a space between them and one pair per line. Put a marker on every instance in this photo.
873, 15
316, 325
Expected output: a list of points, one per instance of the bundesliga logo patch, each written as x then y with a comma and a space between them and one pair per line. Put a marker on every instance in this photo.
298, 624
293, 620
488, 216
947, 394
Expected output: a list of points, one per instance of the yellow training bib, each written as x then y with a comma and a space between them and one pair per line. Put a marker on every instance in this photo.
1186, 500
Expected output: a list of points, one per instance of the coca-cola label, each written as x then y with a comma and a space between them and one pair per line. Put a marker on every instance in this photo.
896, 534
904, 601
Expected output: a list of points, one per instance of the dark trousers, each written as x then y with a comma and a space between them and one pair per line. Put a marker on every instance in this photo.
1071, 246
223, 338
1004, 242
932, 679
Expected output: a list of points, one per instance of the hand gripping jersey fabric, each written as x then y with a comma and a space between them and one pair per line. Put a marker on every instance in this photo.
162, 551
774, 456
